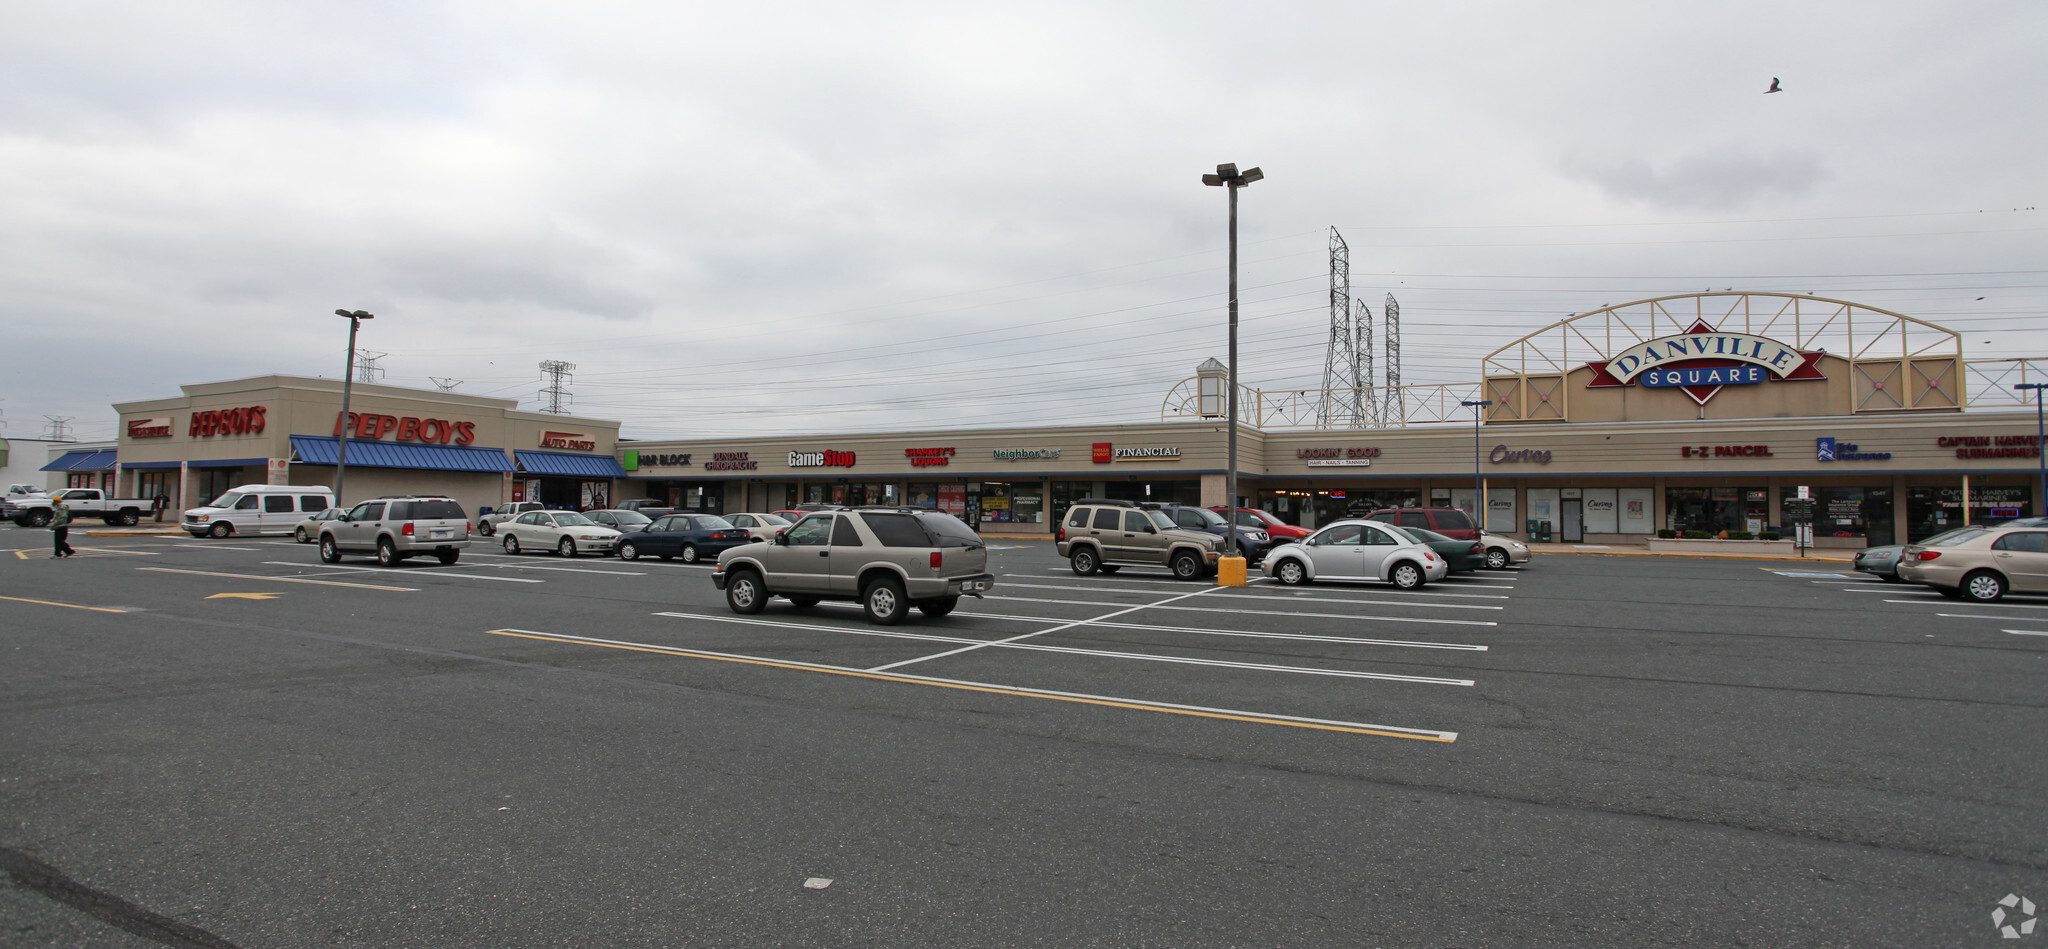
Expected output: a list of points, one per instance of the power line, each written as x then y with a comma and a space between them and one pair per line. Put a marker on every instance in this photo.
556, 394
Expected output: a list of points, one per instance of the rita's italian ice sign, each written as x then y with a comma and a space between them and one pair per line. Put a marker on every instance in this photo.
1701, 360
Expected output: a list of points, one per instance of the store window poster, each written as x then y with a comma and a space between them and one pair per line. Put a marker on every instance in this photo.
953, 499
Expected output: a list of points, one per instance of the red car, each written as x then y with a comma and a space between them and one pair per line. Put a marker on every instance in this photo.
1281, 531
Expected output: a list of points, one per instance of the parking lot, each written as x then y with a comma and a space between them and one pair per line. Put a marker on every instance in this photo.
531, 750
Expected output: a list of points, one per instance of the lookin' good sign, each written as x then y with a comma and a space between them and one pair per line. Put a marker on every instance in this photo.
1701, 360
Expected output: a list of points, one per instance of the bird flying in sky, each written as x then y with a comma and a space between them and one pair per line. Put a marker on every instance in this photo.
1774, 86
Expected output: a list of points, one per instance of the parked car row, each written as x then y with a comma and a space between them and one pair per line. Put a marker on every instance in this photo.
1978, 562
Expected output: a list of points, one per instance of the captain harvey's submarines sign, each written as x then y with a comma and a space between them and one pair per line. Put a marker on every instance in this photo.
1702, 360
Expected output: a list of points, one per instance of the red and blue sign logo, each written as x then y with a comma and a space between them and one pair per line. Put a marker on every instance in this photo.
1701, 360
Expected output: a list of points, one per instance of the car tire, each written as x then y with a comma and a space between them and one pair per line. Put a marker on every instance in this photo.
387, 555
38, 519
1186, 567
690, 553
330, 552
1084, 561
938, 606
300, 536
1291, 571
1108, 569
1983, 586
744, 592
447, 557
127, 519
803, 602
629, 551
1496, 558
567, 548
884, 602
485, 528
220, 530
1406, 576
511, 543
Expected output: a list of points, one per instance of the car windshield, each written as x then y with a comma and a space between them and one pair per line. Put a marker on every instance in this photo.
712, 523
1961, 535
773, 520
1427, 536
1208, 518
572, 519
1453, 521
630, 517
1160, 520
226, 500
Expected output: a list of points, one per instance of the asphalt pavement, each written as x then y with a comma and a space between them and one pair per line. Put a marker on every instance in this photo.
225, 742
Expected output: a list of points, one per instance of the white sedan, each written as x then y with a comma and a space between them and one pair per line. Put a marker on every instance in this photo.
758, 526
1357, 550
565, 532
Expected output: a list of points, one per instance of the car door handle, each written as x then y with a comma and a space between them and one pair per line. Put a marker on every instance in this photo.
824, 553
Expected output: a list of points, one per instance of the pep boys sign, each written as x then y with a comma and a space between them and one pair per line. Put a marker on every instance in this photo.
434, 431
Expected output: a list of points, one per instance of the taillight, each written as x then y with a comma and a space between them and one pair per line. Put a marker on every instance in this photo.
1426, 555
407, 529
1061, 534
1929, 554
1474, 550
936, 557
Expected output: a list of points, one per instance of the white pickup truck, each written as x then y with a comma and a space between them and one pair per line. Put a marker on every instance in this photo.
488, 523
33, 511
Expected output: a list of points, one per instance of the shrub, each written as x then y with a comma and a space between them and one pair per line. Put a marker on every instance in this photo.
1697, 535
1767, 535
1667, 533
1740, 535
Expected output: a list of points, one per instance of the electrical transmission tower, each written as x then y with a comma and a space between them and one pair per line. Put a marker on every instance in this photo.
445, 385
555, 394
366, 366
59, 429
1344, 385
1366, 400
1395, 409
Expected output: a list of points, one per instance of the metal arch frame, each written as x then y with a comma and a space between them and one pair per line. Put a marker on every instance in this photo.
1836, 317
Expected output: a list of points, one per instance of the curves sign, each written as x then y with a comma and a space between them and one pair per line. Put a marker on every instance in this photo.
1702, 360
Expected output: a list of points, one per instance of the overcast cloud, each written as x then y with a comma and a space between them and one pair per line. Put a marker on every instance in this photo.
808, 218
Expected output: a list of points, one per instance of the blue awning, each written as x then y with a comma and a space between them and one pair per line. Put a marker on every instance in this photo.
325, 449
84, 459
564, 463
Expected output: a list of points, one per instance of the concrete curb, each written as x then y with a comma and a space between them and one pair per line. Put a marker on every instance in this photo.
1817, 558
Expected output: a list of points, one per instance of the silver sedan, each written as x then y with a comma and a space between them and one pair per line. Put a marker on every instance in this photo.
565, 532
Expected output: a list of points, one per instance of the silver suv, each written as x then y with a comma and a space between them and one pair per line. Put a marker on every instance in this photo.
397, 528
887, 559
1102, 535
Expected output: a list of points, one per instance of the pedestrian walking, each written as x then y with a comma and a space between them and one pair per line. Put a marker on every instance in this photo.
60, 527
162, 501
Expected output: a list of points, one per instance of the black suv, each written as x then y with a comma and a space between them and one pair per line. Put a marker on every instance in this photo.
1252, 543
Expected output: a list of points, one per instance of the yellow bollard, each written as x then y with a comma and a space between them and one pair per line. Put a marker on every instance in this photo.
1230, 572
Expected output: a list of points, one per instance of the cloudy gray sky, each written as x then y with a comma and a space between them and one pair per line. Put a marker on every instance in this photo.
831, 217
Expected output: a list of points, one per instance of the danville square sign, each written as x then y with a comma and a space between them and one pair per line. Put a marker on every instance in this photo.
1701, 360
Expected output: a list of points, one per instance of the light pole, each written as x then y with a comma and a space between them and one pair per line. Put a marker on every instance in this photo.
2040, 443
1228, 178
348, 376
1478, 486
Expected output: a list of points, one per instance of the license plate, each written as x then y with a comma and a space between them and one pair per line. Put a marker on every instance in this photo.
443, 533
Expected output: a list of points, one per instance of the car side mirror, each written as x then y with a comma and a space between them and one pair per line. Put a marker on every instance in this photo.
782, 538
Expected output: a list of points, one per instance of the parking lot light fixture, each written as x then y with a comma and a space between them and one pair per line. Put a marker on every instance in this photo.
1228, 178
2040, 445
1478, 484
348, 374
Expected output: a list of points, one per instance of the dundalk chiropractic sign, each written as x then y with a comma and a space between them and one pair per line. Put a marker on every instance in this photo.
1701, 360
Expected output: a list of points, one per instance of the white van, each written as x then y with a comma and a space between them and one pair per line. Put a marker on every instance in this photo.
258, 509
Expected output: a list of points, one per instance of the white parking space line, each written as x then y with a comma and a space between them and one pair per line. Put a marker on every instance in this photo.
1014, 643
2028, 632
498, 566
1143, 705
1938, 598
436, 571
1042, 632
252, 550
250, 576
1197, 609
1297, 596
1238, 633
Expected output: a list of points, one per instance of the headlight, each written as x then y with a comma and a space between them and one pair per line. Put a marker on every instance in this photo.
586, 536
1521, 546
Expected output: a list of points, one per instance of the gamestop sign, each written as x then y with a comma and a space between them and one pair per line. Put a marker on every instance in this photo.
821, 459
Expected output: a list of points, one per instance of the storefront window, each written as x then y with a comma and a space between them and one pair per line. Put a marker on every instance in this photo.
922, 494
1012, 502
1929, 511
1715, 509
1065, 493
1861, 513
1162, 492
856, 495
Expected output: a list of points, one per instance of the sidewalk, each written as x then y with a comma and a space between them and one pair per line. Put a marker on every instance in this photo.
1821, 555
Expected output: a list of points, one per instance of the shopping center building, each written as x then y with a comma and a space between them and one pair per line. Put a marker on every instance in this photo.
1696, 412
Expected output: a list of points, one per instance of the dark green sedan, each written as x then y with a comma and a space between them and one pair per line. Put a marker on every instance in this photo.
1463, 556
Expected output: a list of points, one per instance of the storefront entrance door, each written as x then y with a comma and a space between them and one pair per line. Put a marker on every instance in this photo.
1572, 529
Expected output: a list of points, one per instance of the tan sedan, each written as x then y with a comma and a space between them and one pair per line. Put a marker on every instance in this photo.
1979, 563
759, 526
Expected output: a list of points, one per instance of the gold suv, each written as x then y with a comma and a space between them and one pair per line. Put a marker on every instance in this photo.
1103, 535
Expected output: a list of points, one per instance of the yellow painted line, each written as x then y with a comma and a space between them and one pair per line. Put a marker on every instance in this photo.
245, 596
251, 576
1131, 704
73, 606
